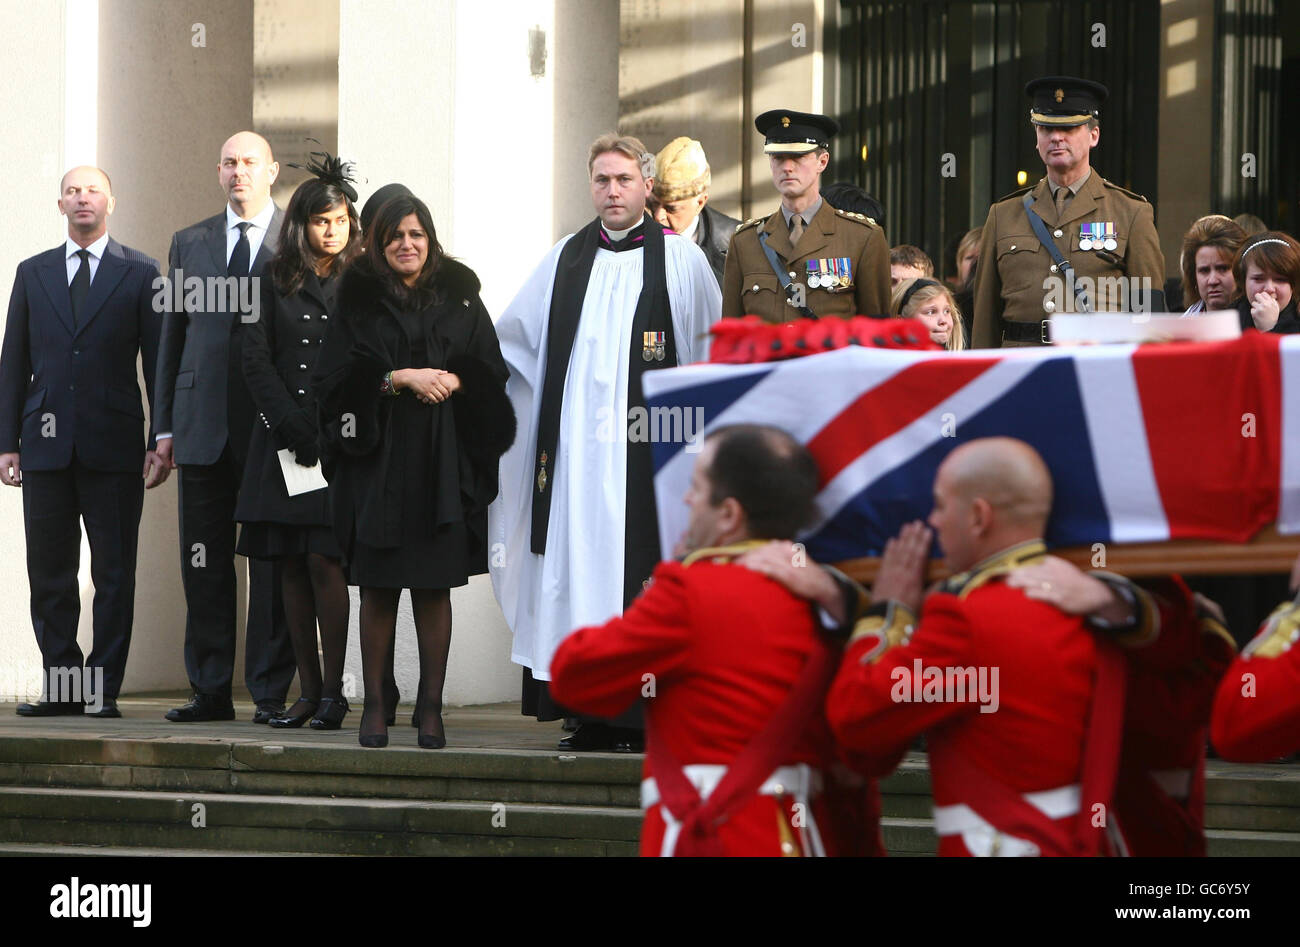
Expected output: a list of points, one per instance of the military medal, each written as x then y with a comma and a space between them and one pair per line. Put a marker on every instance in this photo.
814, 276
648, 346
846, 272
1085, 236
541, 475
1110, 243
661, 346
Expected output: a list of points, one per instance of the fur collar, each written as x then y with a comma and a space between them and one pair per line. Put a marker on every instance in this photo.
360, 288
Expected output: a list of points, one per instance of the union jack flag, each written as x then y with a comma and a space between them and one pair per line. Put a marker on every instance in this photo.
1144, 443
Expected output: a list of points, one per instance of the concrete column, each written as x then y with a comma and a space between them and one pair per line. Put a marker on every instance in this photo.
681, 73
37, 116
175, 81
1186, 117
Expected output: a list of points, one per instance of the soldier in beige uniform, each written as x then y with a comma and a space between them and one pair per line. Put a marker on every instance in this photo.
835, 262
1105, 233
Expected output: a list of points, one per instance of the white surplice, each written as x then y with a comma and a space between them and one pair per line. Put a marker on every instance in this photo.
579, 580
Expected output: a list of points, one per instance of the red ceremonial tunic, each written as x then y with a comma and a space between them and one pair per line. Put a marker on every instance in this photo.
1160, 792
715, 648
1032, 743
1256, 714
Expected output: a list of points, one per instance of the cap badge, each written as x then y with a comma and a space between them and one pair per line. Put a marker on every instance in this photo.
1060, 95
785, 121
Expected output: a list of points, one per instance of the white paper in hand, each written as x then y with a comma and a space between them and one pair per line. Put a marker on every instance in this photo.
297, 478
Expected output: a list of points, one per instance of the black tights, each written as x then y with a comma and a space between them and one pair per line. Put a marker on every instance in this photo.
432, 608
316, 593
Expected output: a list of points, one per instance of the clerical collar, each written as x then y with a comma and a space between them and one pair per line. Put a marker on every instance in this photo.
619, 240
808, 213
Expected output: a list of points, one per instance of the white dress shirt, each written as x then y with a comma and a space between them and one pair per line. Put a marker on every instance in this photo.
256, 233
74, 262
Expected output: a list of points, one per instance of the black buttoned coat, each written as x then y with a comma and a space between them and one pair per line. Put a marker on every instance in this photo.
280, 352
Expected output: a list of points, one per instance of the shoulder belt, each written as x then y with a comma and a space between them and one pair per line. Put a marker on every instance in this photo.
783, 276
1062, 264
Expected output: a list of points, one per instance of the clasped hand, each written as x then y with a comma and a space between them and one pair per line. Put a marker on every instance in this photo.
430, 385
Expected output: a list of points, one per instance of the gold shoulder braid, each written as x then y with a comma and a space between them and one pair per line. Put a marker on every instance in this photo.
720, 555
1000, 564
1281, 631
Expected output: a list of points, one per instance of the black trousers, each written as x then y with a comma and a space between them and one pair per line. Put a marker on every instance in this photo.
54, 504
207, 526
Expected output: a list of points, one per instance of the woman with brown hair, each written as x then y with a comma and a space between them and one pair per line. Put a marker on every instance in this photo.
414, 417
1209, 247
1267, 268
320, 237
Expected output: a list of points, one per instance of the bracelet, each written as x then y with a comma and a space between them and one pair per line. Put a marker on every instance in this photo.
386, 386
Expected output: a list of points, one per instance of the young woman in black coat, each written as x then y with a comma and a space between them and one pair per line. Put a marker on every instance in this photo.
414, 418
320, 236
1267, 269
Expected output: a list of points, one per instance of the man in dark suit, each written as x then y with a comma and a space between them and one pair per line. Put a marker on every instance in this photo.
71, 435
682, 179
204, 416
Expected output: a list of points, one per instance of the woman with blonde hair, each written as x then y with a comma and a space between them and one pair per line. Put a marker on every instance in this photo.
932, 303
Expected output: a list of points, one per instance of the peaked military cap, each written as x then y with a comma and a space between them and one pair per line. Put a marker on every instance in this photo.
1065, 100
795, 133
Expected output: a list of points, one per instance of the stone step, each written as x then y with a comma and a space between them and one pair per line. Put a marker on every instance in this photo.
284, 768
54, 850
311, 824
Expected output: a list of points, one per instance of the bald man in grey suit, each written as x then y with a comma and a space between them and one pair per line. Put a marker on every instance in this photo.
204, 416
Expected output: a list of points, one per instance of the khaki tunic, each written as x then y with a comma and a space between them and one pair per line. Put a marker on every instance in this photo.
1013, 265
750, 287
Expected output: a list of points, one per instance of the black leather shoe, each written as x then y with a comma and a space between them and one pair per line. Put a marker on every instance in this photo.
267, 710
330, 713
203, 707
109, 709
588, 738
288, 719
391, 700
630, 744
51, 708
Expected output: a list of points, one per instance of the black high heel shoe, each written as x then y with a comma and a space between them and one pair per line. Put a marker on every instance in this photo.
372, 740
434, 741
330, 713
289, 719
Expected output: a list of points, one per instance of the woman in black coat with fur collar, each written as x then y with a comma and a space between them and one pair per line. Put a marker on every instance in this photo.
414, 416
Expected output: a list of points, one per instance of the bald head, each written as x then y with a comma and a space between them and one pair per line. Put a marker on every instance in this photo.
86, 199
246, 172
989, 494
87, 173
1007, 473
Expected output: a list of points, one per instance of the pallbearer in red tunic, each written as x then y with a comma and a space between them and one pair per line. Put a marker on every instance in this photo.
1172, 673
734, 674
1257, 708
1020, 702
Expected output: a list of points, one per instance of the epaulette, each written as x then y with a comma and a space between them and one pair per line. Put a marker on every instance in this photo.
860, 218
1123, 190
890, 623
752, 222
1280, 632
1018, 192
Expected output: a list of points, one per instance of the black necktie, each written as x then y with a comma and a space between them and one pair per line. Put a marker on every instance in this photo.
241, 257
80, 285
